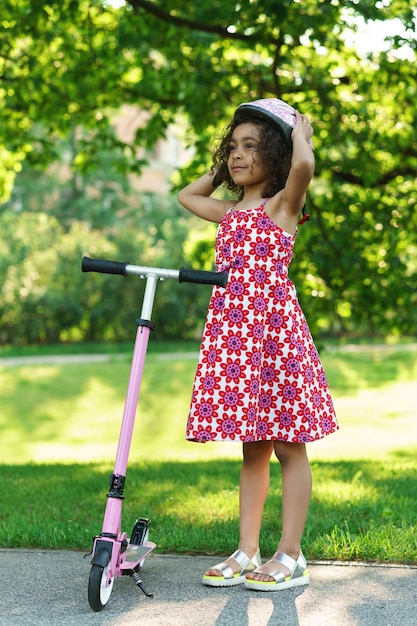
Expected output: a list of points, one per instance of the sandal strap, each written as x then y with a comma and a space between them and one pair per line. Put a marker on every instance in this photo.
301, 561
286, 560
242, 559
225, 569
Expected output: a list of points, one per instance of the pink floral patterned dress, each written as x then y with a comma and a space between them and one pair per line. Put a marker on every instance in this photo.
259, 376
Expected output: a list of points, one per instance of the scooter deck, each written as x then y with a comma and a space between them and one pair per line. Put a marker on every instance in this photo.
135, 554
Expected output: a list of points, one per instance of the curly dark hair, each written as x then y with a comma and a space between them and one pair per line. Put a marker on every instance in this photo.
274, 153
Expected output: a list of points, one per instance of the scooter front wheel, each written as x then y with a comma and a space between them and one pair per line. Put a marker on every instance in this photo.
98, 591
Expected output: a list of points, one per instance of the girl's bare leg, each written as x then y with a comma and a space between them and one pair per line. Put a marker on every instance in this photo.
296, 494
254, 485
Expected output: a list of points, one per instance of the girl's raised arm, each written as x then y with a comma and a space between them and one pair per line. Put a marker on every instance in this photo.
302, 167
196, 197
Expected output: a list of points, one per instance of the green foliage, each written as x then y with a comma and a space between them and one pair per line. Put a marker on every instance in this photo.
67, 67
47, 299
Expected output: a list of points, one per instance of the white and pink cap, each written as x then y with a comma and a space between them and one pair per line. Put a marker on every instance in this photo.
272, 110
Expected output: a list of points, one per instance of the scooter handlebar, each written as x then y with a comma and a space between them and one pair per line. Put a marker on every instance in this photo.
202, 277
183, 275
103, 266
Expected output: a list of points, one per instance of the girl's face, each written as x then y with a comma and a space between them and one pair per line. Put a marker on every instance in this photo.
244, 162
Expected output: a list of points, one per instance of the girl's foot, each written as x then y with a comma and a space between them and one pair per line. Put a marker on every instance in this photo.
232, 571
281, 572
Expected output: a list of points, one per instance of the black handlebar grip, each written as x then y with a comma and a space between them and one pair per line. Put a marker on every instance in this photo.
202, 277
103, 266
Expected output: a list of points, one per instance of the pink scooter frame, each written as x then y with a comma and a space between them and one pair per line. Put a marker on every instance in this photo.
114, 554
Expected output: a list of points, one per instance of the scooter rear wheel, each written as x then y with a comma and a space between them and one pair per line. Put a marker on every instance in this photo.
98, 592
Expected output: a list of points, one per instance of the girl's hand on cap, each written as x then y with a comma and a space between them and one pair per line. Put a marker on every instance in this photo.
302, 126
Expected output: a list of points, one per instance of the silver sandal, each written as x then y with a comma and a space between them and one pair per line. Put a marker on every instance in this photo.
299, 574
228, 578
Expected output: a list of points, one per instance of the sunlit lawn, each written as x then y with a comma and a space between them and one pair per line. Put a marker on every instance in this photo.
73, 412
60, 423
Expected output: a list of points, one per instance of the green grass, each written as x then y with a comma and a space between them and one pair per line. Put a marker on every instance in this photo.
359, 510
60, 423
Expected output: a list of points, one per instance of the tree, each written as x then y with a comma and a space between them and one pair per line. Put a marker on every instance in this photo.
69, 65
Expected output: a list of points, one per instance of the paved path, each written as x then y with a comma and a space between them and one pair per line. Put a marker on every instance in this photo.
49, 588
59, 359
53, 359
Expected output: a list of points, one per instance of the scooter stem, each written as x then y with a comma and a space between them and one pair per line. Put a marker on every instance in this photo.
112, 515
138, 361
126, 431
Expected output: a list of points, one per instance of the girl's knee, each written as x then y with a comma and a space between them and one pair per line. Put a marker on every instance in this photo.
285, 451
254, 451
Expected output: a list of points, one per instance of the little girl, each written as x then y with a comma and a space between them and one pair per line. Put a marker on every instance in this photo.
259, 378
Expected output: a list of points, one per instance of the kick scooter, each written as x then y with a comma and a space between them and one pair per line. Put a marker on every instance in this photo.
114, 554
